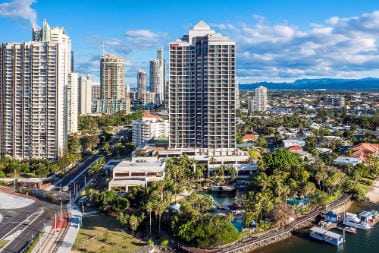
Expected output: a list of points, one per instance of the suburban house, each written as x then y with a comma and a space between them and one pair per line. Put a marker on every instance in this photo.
363, 150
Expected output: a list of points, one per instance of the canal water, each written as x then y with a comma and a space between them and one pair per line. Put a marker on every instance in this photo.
362, 242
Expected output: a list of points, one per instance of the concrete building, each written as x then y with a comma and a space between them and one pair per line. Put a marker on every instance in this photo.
85, 95
112, 77
138, 172
95, 92
260, 99
202, 92
150, 127
72, 103
141, 84
334, 101
32, 111
157, 77
112, 87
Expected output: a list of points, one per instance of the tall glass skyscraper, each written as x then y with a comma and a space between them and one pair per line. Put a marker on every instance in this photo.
202, 92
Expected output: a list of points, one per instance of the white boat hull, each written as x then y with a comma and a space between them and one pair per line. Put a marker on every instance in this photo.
357, 225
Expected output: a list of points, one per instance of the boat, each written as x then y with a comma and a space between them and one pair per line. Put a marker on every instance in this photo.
350, 230
353, 220
326, 236
223, 188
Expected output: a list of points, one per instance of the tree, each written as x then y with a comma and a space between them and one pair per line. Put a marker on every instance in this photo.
97, 166
149, 209
133, 223
261, 142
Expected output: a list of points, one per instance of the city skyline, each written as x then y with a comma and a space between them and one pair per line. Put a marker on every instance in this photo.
276, 40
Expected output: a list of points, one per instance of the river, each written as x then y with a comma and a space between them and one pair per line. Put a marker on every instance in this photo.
362, 242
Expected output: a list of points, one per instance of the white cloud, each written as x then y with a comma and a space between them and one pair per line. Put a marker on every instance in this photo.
141, 33
19, 9
340, 47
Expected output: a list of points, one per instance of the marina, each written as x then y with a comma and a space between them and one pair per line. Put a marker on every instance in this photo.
362, 241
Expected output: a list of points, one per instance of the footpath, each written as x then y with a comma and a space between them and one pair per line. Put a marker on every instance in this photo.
72, 231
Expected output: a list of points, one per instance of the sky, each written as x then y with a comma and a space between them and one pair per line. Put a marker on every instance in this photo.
277, 40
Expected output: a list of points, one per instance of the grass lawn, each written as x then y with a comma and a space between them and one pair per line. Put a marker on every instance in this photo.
102, 233
3, 243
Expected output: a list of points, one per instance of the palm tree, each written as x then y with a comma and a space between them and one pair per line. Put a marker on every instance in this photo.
149, 209
133, 223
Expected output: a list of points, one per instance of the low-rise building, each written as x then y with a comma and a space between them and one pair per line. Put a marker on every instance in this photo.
293, 142
138, 172
150, 127
346, 161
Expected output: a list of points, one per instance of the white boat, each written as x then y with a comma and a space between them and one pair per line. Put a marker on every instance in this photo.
352, 220
327, 236
350, 230
223, 188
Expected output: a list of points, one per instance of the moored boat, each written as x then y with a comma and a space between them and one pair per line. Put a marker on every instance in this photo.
326, 236
356, 221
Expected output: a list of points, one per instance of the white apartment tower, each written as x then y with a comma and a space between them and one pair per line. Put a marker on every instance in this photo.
85, 95
72, 102
157, 77
33, 80
32, 100
260, 99
202, 92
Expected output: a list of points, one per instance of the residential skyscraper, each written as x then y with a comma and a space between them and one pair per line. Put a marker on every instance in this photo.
72, 96
112, 77
202, 92
32, 110
95, 94
260, 99
141, 84
85, 95
157, 77
112, 86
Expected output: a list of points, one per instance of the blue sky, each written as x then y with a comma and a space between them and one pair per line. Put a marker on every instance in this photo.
277, 40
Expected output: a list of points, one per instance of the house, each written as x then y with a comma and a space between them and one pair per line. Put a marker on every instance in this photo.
363, 150
293, 142
295, 148
250, 137
346, 161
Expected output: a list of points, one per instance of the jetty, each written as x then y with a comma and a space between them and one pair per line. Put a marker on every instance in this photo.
253, 242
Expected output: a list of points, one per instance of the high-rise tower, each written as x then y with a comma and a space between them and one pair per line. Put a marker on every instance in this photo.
141, 84
202, 92
157, 77
32, 112
85, 95
260, 99
112, 77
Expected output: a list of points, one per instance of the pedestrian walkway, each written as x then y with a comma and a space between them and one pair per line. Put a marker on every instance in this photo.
72, 231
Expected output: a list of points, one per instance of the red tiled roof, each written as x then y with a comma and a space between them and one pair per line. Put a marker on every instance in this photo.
295, 148
249, 137
151, 116
363, 150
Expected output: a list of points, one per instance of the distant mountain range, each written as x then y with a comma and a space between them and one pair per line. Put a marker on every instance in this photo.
315, 84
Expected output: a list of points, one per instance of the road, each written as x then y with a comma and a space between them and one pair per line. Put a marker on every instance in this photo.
22, 225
